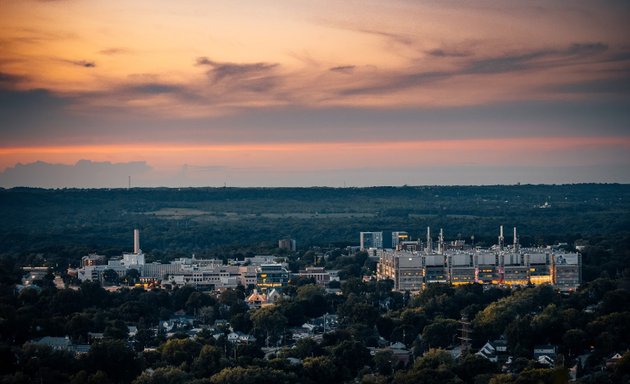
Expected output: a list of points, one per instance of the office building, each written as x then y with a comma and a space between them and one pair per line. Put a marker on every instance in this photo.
288, 244
271, 276
369, 240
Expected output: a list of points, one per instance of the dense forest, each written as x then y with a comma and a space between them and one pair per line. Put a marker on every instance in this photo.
125, 328
62, 225
586, 329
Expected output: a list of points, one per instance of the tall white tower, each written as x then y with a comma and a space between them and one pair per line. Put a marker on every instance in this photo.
429, 247
136, 241
501, 238
441, 242
137, 257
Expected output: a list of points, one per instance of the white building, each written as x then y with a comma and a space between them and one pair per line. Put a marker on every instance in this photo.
497, 265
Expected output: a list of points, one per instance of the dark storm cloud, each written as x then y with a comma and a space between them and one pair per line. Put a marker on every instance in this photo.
538, 59
82, 63
56, 124
204, 168
621, 56
508, 63
204, 61
114, 51
21, 126
260, 84
618, 85
398, 81
447, 53
535, 59
393, 37
525, 119
179, 92
155, 88
8, 80
222, 71
346, 69
139, 88
83, 174
587, 48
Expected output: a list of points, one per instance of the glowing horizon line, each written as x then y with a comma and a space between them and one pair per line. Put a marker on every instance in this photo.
549, 142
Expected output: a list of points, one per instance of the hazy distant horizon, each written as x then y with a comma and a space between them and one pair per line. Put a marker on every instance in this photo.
87, 174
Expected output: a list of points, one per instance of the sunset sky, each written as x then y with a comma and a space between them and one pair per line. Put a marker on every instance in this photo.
301, 93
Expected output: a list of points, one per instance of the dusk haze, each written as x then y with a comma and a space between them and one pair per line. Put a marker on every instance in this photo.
313, 93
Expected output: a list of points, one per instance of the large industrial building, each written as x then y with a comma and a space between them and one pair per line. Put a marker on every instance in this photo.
504, 265
209, 274
410, 267
93, 266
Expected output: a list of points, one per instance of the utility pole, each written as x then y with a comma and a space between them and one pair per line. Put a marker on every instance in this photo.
465, 334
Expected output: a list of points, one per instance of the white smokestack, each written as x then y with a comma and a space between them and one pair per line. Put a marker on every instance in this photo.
136, 241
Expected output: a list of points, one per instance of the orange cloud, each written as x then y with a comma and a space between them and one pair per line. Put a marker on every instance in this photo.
401, 54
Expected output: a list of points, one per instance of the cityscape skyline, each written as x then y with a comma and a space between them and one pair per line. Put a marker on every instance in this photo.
303, 94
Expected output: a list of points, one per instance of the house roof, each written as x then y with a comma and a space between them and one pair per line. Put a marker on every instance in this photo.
256, 297
53, 342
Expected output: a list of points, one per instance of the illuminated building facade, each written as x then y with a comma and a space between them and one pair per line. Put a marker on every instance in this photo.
435, 269
487, 268
404, 268
501, 265
539, 268
398, 238
411, 271
461, 268
271, 276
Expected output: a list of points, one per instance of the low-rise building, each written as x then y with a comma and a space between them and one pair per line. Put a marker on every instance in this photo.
93, 259
61, 344
494, 350
545, 354
319, 274
32, 274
